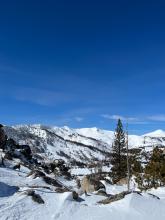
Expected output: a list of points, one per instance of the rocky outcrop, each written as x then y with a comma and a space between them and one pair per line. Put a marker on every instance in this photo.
114, 198
3, 137
35, 197
12, 149
51, 181
90, 184
58, 167
122, 181
36, 173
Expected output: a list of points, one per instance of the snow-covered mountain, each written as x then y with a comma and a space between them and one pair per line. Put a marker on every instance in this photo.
158, 133
20, 189
77, 144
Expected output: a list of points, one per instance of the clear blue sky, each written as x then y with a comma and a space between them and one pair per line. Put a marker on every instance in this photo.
83, 63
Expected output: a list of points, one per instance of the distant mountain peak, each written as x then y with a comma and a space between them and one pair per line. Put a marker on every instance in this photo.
156, 133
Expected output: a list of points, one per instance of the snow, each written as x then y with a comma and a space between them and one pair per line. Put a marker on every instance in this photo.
62, 208
16, 205
83, 145
157, 133
98, 134
85, 171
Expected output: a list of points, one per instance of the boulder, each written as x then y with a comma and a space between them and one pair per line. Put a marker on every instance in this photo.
122, 181
17, 166
90, 184
114, 198
101, 192
35, 197
8, 156
75, 195
61, 190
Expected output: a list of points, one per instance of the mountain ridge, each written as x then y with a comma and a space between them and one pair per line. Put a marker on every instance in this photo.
84, 144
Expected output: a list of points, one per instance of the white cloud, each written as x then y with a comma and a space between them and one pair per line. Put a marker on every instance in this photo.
136, 120
116, 117
79, 119
156, 118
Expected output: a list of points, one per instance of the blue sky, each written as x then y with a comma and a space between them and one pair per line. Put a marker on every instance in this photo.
83, 63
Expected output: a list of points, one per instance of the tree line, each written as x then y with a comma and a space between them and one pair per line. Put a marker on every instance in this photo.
128, 162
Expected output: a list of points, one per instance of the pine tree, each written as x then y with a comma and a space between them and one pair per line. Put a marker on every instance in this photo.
153, 174
155, 169
119, 162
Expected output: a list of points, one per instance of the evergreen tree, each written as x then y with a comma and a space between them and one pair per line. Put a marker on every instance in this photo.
119, 162
155, 170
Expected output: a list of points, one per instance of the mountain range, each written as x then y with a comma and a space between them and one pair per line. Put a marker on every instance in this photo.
81, 145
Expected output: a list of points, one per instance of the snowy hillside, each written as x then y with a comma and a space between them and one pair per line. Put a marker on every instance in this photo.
57, 142
77, 144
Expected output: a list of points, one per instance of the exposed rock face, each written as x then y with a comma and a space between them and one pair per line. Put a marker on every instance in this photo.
86, 186
36, 173
51, 181
62, 190
114, 198
75, 195
35, 197
89, 184
8, 156
26, 151
78, 182
12, 149
10, 146
119, 196
3, 137
122, 181
101, 192
17, 166
58, 167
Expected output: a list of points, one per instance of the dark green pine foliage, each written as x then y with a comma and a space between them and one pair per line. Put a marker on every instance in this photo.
154, 174
119, 161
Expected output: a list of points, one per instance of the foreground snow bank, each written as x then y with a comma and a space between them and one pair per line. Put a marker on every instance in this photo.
18, 206
62, 207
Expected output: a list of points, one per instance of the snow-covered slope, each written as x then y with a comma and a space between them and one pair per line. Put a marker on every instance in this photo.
98, 134
147, 140
158, 133
57, 142
82, 145
16, 205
